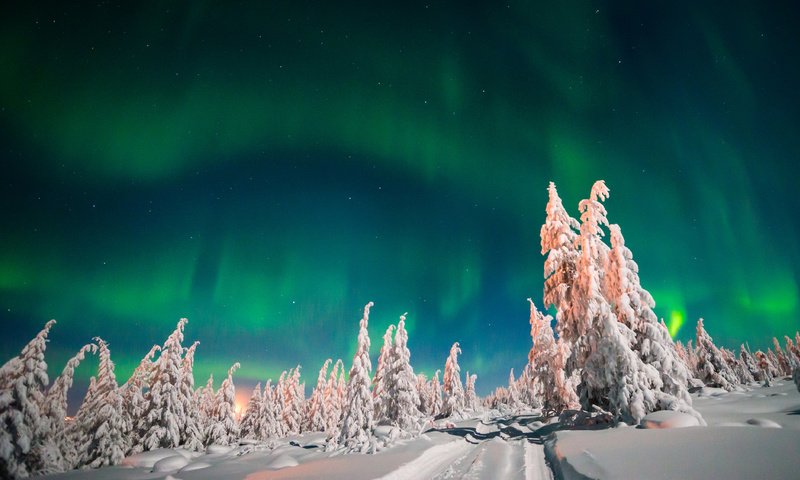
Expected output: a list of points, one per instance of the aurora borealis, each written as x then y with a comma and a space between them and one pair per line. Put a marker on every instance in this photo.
266, 169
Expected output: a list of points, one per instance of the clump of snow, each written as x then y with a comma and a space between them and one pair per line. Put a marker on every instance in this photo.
147, 459
195, 466
763, 422
669, 419
283, 461
170, 464
215, 449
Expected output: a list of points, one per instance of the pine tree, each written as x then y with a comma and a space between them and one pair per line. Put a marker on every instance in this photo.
750, 364
315, 415
783, 361
768, 369
102, 439
133, 401
293, 402
205, 397
267, 420
470, 396
192, 429
401, 385
249, 427
331, 402
385, 360
653, 344
514, 401
56, 410
437, 399
223, 429
424, 405
26, 445
559, 242
163, 414
356, 432
711, 365
280, 405
453, 397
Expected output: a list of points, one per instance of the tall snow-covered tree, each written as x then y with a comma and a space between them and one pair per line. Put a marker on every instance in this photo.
56, 410
102, 439
223, 429
26, 443
513, 392
783, 361
133, 401
205, 397
559, 242
331, 402
268, 421
401, 384
315, 419
633, 306
711, 365
294, 400
453, 390
192, 429
750, 364
163, 415
470, 396
356, 431
437, 399
385, 361
249, 427
768, 368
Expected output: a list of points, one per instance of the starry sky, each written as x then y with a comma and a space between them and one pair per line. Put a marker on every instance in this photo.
267, 168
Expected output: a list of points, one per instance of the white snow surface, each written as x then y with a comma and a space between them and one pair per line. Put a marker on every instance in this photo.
752, 433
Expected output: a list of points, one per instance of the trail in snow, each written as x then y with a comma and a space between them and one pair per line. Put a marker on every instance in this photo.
535, 464
433, 461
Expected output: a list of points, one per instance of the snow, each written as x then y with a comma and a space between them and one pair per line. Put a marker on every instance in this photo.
669, 419
750, 434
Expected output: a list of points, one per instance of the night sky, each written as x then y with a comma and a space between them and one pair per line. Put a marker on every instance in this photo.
267, 169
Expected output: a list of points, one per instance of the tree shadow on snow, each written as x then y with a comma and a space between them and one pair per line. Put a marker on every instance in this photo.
507, 427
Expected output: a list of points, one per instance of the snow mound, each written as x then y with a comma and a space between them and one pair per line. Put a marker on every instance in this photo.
218, 449
147, 459
283, 461
195, 466
170, 464
669, 419
763, 422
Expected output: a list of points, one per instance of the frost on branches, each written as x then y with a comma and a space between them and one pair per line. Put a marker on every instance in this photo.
711, 365
401, 383
546, 361
224, 430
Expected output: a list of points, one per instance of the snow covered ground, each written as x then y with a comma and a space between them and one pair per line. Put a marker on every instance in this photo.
750, 434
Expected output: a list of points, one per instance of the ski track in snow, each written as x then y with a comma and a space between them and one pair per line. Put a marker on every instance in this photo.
433, 461
535, 465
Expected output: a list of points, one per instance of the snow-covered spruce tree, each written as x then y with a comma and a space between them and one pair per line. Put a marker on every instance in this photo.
133, 401
294, 400
613, 377
163, 414
711, 365
356, 431
205, 397
26, 444
401, 383
279, 402
750, 364
437, 399
783, 361
315, 418
249, 427
768, 369
470, 397
379, 394
652, 342
56, 410
223, 429
102, 439
453, 391
424, 394
192, 432
546, 360
559, 242
792, 351
268, 419
331, 402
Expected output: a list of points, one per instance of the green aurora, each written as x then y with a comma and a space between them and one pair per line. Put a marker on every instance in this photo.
267, 169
